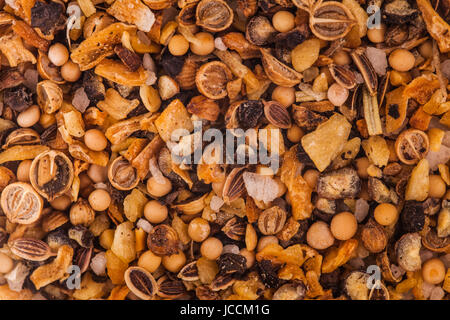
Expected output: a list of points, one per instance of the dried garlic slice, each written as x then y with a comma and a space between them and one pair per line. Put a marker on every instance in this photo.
117, 106
174, 117
11, 46
419, 182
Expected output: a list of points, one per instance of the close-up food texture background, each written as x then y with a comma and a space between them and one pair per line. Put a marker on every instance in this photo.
100, 201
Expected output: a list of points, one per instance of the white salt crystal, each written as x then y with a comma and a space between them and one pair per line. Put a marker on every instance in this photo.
144, 225
260, 187
98, 264
145, 24
219, 45
437, 157
307, 89
80, 100
378, 60
216, 203
16, 277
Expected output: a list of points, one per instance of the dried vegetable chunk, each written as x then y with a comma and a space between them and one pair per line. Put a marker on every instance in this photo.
324, 144
298, 188
100, 45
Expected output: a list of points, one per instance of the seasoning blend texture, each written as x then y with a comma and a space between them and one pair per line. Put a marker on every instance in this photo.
107, 109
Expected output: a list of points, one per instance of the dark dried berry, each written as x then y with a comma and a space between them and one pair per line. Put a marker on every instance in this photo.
200, 187
269, 274
249, 113
130, 59
330, 280
140, 109
232, 263
291, 39
413, 217
117, 195
93, 86
10, 78
17, 98
171, 64
46, 16
283, 54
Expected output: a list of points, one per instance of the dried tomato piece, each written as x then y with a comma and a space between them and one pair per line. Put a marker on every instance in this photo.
232, 263
17, 98
413, 216
249, 113
269, 274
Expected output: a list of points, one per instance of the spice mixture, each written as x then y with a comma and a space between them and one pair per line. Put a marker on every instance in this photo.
99, 200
